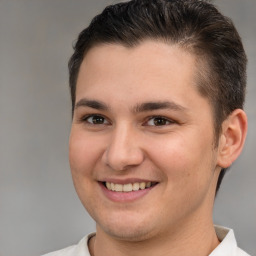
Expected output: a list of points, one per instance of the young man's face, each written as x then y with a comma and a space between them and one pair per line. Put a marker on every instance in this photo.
140, 121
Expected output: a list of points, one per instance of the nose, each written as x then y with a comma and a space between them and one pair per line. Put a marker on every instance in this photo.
123, 151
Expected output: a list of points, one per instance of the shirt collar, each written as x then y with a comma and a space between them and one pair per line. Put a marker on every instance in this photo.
228, 245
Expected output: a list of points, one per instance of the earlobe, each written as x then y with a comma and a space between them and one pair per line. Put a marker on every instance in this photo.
232, 138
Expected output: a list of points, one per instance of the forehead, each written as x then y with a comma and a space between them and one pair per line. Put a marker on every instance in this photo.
152, 70
156, 54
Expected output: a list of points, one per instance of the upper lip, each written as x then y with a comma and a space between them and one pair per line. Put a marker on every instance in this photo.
127, 181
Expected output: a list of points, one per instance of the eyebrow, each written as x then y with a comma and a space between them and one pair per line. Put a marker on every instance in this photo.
91, 104
141, 107
150, 106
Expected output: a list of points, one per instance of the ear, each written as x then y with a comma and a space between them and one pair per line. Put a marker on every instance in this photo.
232, 138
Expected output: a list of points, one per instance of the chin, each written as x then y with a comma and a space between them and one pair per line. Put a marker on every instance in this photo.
127, 230
132, 235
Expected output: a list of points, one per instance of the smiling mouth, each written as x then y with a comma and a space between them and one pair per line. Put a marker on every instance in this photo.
128, 187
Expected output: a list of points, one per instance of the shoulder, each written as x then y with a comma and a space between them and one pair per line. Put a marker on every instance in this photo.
241, 252
228, 244
69, 251
80, 249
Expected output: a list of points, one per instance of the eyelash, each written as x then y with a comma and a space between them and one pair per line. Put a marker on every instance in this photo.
162, 121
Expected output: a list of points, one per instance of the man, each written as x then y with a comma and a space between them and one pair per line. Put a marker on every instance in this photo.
157, 91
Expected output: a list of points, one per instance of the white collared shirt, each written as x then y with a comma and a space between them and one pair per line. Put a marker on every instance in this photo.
227, 247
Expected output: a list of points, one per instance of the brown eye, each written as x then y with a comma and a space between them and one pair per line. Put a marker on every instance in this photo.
96, 119
158, 121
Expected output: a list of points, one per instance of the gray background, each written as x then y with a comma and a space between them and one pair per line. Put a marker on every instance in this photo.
39, 210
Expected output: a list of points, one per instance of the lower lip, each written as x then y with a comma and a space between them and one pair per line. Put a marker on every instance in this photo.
125, 196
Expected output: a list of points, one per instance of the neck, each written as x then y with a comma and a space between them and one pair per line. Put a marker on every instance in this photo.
197, 239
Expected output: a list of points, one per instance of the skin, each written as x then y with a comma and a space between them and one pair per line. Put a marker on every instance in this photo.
125, 143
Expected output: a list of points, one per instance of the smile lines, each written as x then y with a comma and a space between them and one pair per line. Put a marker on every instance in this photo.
128, 187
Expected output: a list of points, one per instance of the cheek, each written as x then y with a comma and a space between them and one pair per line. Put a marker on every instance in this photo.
84, 151
184, 160
187, 168
82, 158
173, 152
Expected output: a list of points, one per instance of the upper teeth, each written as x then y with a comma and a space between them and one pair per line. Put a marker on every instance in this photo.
128, 187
